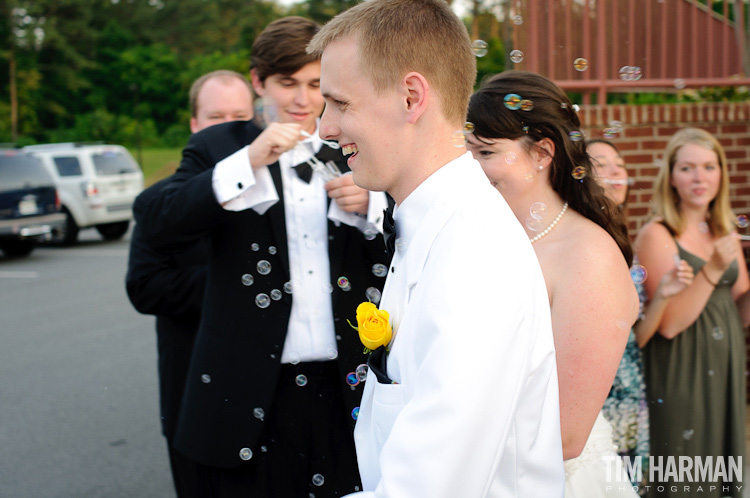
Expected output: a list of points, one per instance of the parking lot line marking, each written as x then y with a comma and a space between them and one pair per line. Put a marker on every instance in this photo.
19, 274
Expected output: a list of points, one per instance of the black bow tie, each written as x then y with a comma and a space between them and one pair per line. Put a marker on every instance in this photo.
325, 154
389, 231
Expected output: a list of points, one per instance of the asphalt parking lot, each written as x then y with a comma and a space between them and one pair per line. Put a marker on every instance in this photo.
78, 387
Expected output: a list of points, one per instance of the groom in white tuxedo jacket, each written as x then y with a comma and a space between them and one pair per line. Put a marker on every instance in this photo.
465, 401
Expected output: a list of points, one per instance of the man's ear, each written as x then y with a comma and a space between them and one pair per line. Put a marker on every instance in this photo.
257, 83
544, 151
416, 91
193, 125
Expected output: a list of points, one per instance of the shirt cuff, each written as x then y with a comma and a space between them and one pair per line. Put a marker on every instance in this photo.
364, 223
238, 187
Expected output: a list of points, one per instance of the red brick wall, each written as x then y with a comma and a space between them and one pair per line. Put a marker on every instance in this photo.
646, 130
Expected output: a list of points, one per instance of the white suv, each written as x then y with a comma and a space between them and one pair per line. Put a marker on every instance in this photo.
97, 185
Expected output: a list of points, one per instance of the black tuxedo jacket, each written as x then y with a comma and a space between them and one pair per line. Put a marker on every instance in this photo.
236, 360
170, 286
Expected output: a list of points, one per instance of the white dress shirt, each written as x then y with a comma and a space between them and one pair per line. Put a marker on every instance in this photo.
474, 410
237, 186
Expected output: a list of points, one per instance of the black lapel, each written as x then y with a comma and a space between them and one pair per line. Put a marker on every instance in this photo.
277, 218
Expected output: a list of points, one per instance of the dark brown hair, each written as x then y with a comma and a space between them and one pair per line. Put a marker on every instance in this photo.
552, 116
281, 47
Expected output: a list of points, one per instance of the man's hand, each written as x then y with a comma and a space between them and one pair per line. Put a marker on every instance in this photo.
349, 196
276, 139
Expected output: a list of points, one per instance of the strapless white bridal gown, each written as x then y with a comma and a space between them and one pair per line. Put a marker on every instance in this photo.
586, 475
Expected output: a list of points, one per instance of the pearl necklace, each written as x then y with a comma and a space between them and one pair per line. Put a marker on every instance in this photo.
551, 226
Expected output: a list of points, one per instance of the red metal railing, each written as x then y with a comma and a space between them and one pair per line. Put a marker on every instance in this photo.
673, 43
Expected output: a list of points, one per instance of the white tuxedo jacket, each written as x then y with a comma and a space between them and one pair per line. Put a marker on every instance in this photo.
474, 411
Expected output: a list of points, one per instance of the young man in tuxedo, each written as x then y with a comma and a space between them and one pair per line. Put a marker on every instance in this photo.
171, 285
465, 402
270, 404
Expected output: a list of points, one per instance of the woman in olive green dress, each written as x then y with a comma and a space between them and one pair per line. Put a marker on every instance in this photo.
695, 364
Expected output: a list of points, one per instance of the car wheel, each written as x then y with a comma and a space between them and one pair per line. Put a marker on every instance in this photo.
68, 234
17, 248
113, 231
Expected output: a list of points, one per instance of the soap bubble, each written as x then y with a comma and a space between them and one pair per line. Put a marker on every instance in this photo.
579, 172
517, 20
538, 210
247, 279
352, 379
318, 480
479, 47
638, 274
458, 139
630, 73
533, 224
527, 105
468, 127
361, 372
575, 136
262, 300
512, 101
301, 380
742, 221
246, 453
516, 56
259, 413
373, 294
581, 64
679, 83
379, 270
263, 267
344, 284
616, 126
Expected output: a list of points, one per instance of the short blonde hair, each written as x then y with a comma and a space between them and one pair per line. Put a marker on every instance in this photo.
398, 36
666, 202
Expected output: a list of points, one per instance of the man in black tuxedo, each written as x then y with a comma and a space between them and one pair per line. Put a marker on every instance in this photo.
171, 285
272, 392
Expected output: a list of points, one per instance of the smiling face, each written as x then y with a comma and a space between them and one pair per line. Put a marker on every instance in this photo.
507, 163
696, 175
365, 123
610, 171
220, 101
296, 98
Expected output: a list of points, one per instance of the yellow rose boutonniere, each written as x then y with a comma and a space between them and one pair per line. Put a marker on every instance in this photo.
373, 326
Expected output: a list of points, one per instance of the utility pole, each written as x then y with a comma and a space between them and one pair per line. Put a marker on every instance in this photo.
13, 91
